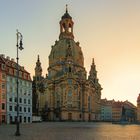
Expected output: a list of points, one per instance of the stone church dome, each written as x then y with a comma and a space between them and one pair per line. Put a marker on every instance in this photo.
66, 49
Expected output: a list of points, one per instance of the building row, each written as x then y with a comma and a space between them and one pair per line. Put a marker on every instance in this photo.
116, 111
8, 92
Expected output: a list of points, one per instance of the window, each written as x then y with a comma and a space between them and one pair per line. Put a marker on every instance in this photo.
69, 116
3, 85
20, 100
79, 104
24, 109
24, 119
69, 69
15, 99
69, 98
20, 109
69, 81
20, 119
29, 119
3, 76
30, 93
29, 101
3, 106
10, 108
11, 119
58, 103
70, 93
24, 101
3, 67
10, 99
29, 110
89, 103
15, 108
11, 89
3, 95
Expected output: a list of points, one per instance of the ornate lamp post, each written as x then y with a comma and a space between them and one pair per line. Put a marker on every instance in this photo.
19, 46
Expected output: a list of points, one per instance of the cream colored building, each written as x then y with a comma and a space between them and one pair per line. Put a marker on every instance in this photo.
67, 92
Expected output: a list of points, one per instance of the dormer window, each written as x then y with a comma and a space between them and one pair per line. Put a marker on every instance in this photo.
3, 67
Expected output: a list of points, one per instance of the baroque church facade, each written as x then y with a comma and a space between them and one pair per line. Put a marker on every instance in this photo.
66, 93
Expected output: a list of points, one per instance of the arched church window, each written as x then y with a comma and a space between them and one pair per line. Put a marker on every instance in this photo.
70, 28
69, 69
69, 92
69, 81
58, 103
69, 98
89, 102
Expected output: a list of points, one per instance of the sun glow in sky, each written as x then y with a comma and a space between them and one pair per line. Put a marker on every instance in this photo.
108, 31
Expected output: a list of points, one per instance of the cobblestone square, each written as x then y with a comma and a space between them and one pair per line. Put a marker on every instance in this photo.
71, 131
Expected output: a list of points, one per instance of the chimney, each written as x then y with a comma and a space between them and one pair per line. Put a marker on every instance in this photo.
12, 59
2, 55
8, 57
22, 68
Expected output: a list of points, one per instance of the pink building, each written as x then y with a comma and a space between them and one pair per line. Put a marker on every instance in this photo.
2, 91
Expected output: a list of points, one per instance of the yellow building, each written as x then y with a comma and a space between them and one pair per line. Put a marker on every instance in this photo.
67, 92
117, 111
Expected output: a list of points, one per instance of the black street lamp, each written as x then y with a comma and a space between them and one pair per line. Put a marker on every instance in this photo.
19, 46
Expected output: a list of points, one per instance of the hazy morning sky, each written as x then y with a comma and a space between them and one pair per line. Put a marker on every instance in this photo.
108, 31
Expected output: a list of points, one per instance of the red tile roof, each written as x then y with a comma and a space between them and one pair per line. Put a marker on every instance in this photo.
11, 65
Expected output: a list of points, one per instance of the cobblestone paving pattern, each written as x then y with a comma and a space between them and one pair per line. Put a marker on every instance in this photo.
71, 131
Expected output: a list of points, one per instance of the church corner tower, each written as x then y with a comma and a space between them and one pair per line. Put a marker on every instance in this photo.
38, 87
93, 76
94, 82
93, 73
38, 70
68, 95
138, 108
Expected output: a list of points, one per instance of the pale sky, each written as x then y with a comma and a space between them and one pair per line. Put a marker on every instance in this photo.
108, 31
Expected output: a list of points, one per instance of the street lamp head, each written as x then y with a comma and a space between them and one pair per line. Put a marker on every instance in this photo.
20, 45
